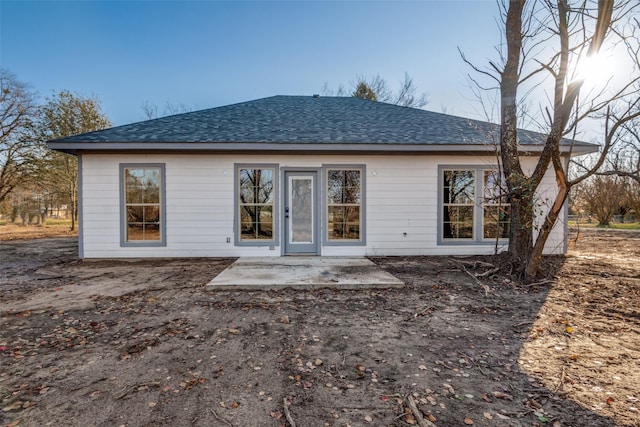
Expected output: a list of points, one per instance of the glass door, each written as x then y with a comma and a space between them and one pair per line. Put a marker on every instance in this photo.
300, 213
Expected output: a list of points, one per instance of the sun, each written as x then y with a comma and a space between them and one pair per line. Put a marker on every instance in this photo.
595, 70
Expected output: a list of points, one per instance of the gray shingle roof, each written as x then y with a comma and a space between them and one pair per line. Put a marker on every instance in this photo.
301, 120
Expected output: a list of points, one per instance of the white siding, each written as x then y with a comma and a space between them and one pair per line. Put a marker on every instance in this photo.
401, 197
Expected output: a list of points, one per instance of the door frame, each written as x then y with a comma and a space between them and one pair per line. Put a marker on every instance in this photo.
317, 229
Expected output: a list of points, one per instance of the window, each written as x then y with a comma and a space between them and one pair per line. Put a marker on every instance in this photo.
344, 213
458, 204
495, 220
256, 204
142, 205
473, 199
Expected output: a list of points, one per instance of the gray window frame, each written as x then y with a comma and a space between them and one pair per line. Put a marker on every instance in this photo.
478, 206
236, 204
123, 206
363, 205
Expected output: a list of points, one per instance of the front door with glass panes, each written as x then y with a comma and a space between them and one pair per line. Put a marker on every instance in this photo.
300, 214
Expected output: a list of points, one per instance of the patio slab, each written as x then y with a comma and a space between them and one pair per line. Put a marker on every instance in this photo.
263, 273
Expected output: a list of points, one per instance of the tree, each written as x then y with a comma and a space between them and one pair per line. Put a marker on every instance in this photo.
632, 197
151, 110
66, 114
364, 91
17, 111
376, 88
602, 196
546, 44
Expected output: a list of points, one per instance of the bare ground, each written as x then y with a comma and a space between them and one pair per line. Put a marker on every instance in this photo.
9, 231
139, 343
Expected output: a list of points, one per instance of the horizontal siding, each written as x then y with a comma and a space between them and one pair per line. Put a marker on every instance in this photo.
401, 205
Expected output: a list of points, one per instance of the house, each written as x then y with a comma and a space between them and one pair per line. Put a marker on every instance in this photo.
289, 175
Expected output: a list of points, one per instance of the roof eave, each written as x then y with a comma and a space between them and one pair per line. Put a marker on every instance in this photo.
75, 147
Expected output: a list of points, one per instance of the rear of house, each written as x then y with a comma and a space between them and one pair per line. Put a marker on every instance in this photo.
298, 176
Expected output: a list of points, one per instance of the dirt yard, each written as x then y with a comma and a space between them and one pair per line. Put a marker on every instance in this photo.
140, 343
10, 231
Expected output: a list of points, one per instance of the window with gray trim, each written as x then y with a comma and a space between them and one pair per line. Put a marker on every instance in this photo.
474, 205
458, 198
142, 204
256, 204
495, 207
344, 208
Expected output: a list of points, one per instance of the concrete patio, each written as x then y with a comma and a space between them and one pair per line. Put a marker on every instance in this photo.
312, 272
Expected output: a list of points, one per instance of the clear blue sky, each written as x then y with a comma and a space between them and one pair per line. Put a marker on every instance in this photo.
209, 53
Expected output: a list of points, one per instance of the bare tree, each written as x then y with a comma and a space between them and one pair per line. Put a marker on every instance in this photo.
151, 111
545, 45
625, 160
632, 197
376, 88
602, 197
17, 111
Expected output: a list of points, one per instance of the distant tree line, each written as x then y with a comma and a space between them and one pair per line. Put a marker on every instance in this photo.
36, 182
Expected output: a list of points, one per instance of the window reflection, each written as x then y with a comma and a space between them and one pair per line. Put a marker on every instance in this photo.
142, 204
344, 204
458, 200
256, 204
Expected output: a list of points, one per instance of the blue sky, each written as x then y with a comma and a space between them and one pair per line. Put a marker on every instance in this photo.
209, 53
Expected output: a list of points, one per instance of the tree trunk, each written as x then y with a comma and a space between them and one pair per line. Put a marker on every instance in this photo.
521, 231
520, 200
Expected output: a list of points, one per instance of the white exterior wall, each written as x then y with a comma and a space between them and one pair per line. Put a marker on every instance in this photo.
401, 197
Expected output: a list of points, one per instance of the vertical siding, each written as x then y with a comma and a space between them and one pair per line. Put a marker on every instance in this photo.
401, 211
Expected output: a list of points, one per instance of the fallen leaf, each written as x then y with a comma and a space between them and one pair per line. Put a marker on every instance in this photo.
573, 357
501, 395
276, 414
234, 405
609, 400
422, 368
14, 423
234, 331
503, 417
14, 406
152, 404
488, 415
468, 421
368, 418
569, 329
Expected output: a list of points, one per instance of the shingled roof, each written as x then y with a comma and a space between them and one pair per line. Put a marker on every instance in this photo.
305, 123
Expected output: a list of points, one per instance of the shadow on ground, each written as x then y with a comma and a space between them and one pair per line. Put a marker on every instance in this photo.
486, 351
